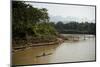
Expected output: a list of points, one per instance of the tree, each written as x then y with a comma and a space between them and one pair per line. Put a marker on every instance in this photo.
24, 17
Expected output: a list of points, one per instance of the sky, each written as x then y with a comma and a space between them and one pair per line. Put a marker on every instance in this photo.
61, 12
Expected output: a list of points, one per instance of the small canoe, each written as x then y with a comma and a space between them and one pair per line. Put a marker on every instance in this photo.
44, 54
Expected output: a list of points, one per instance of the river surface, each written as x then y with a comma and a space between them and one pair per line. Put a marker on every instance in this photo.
68, 51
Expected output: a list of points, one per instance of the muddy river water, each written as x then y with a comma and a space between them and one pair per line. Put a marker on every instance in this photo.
68, 51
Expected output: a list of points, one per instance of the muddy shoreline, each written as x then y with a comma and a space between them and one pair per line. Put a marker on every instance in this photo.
58, 41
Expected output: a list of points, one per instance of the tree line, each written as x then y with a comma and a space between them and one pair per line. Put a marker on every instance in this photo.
73, 27
29, 22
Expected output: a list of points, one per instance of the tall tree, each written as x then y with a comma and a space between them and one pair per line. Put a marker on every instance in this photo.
24, 17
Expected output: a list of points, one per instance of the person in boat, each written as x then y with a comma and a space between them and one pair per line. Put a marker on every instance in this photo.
44, 54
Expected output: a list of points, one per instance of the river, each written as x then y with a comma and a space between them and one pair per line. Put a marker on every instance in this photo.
68, 51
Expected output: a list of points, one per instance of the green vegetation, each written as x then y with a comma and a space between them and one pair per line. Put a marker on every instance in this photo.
30, 23
75, 27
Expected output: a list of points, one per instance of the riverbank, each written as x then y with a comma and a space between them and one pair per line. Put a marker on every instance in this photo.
36, 42
41, 42
22, 47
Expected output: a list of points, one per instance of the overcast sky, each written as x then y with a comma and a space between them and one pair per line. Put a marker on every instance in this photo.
82, 13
